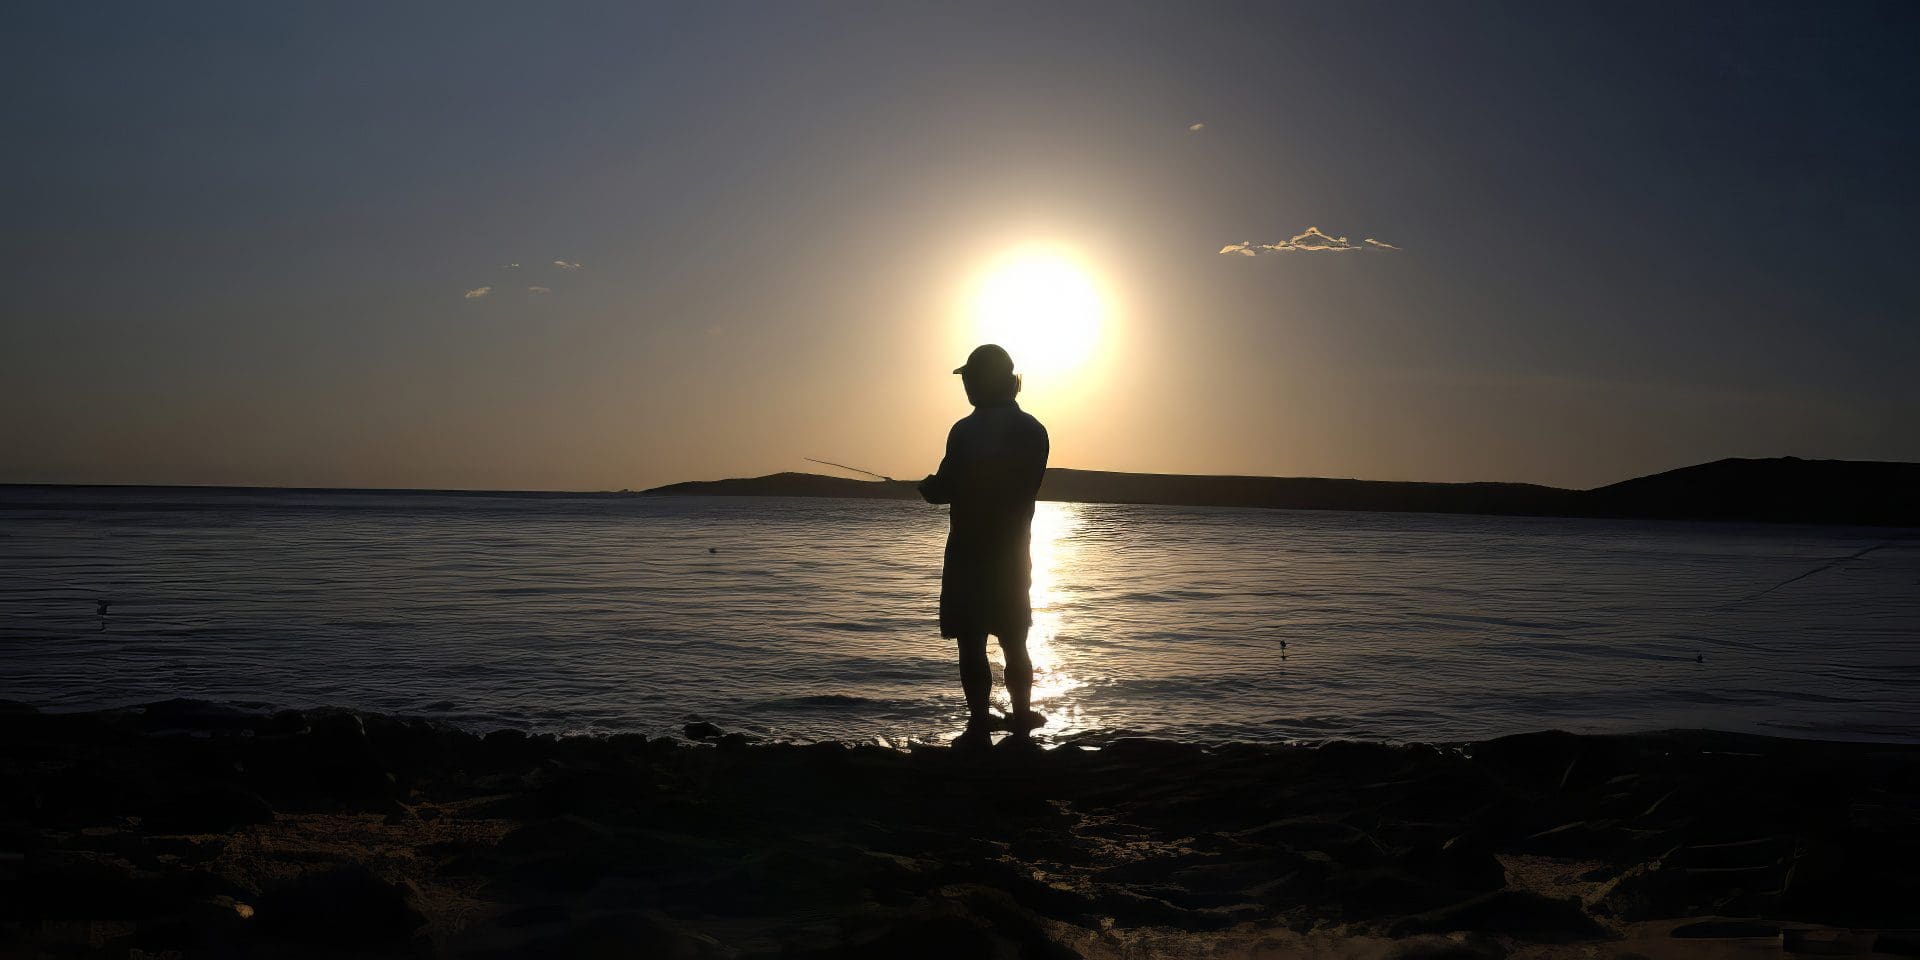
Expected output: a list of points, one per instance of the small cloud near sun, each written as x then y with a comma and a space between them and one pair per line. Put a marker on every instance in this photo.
478, 292
565, 265
538, 290
1196, 127
1312, 241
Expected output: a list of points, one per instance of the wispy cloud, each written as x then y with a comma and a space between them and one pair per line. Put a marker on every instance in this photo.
505, 282
1313, 240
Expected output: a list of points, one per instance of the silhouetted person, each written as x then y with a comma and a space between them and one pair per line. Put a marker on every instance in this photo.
995, 459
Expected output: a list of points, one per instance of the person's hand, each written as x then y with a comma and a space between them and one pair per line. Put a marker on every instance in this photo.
930, 489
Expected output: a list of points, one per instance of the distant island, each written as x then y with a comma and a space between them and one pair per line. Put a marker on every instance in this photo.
1775, 490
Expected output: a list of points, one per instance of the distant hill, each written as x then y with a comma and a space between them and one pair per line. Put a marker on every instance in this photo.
1784, 489
1301, 493
1781, 489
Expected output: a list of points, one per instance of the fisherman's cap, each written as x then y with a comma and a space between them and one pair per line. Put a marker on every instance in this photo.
988, 359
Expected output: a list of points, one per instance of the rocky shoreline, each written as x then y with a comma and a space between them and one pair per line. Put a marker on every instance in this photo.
187, 829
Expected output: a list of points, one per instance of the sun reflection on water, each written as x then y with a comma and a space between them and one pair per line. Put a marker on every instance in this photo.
1055, 553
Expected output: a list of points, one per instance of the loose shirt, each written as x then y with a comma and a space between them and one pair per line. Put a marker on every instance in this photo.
996, 458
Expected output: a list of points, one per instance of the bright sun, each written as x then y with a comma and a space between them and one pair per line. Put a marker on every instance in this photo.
1044, 308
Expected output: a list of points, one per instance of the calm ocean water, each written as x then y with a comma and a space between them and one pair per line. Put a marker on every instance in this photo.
814, 619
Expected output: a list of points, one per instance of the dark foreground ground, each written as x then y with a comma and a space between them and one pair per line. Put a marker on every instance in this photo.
187, 830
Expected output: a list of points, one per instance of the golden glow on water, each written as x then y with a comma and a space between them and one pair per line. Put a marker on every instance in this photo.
1054, 553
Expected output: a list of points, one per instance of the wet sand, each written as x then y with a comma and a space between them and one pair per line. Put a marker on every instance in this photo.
186, 829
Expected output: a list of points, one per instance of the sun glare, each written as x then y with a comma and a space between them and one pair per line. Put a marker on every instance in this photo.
1044, 308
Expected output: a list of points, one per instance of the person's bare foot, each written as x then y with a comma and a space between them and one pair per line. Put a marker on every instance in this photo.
1033, 720
1019, 741
975, 738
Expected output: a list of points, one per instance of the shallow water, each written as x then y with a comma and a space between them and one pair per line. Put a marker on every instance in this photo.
815, 619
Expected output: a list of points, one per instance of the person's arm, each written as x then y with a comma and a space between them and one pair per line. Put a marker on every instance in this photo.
1037, 459
938, 486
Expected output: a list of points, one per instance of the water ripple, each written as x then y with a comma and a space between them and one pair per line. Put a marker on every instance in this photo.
815, 618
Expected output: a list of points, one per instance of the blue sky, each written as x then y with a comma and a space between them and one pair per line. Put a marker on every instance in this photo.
1630, 236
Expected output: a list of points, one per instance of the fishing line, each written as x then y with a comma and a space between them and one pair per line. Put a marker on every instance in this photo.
1829, 565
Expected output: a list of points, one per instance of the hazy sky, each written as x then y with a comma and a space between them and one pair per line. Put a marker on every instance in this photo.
239, 239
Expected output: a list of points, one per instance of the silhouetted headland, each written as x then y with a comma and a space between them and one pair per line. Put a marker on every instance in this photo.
1777, 490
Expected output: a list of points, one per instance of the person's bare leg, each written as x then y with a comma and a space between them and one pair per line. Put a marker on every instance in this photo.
1019, 680
976, 678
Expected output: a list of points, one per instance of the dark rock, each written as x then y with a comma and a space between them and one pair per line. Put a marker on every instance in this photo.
617, 936
1647, 891
216, 809
534, 914
17, 840
395, 813
1585, 838
1721, 929
1669, 888
1357, 755
944, 930
211, 927
331, 760
558, 833
183, 715
189, 849
79, 885
1823, 943
1458, 947
1464, 863
700, 730
1904, 778
627, 742
1517, 913
1545, 757
1865, 884
1899, 943
1146, 749
82, 796
341, 906
571, 853
1388, 891
283, 723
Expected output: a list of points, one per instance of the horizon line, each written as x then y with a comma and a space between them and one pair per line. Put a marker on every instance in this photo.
481, 491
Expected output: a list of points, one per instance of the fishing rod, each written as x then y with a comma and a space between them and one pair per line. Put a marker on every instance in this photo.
843, 466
